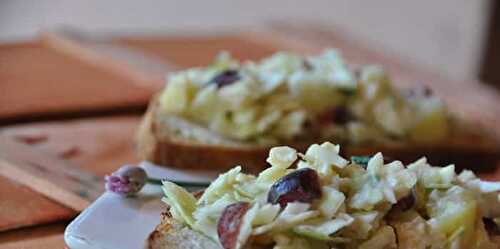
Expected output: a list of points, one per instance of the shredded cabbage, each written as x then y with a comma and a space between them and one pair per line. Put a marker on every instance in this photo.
377, 205
271, 101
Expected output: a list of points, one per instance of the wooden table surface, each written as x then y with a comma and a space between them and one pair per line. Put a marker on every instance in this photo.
48, 83
102, 139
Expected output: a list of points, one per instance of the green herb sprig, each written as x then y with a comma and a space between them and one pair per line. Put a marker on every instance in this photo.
361, 160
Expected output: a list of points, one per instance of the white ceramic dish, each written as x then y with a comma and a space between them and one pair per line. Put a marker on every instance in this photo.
113, 222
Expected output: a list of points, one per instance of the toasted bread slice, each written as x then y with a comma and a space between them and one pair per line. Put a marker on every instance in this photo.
174, 141
169, 234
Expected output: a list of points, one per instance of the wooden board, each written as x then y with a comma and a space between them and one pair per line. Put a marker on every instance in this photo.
98, 145
46, 242
40, 237
51, 176
21, 206
44, 83
95, 144
192, 51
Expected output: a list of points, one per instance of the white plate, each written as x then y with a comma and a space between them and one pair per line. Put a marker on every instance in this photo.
113, 222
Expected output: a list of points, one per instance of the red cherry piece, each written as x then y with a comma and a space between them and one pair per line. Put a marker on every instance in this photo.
228, 226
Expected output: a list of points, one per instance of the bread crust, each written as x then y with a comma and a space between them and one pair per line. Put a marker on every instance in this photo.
155, 145
465, 149
171, 235
188, 154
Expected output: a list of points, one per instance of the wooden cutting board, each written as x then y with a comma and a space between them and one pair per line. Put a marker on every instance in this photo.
97, 145
44, 242
42, 83
193, 51
21, 206
38, 237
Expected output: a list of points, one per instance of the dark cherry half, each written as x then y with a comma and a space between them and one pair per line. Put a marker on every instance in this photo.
225, 78
299, 186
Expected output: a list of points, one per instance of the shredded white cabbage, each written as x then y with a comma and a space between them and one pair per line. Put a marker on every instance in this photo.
271, 100
379, 205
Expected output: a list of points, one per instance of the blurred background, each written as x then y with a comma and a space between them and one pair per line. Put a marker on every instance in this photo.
449, 36
71, 99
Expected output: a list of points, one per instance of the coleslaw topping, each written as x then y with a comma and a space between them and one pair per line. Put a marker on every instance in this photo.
321, 200
286, 96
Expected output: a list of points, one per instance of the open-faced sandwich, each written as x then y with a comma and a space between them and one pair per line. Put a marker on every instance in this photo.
321, 200
231, 112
